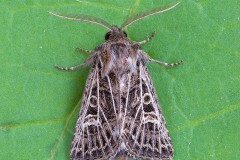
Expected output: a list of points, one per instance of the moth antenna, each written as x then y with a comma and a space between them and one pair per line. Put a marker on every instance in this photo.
85, 18
147, 13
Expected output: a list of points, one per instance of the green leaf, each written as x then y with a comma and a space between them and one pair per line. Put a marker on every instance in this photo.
200, 99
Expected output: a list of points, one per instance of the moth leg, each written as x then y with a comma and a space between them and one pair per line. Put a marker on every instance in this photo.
147, 40
70, 68
84, 50
86, 63
165, 63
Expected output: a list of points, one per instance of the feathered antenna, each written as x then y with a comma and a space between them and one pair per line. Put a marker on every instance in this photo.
85, 18
147, 13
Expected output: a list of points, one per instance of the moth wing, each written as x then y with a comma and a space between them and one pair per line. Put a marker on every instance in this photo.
96, 129
144, 128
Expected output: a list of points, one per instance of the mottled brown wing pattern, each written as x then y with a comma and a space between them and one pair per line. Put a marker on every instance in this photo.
144, 128
96, 129
120, 116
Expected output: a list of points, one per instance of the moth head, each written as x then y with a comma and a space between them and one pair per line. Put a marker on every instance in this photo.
115, 33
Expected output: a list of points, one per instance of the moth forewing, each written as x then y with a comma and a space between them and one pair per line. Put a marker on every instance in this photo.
120, 116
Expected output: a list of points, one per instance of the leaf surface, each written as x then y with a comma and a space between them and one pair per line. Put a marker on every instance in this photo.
200, 99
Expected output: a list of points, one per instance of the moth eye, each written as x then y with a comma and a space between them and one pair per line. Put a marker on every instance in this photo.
125, 33
107, 35
146, 98
93, 101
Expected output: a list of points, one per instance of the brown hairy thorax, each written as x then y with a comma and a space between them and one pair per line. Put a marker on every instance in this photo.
118, 53
120, 116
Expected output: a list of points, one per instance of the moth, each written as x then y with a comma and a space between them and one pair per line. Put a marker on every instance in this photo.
120, 116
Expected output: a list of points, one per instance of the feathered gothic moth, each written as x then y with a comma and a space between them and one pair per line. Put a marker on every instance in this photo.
120, 116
